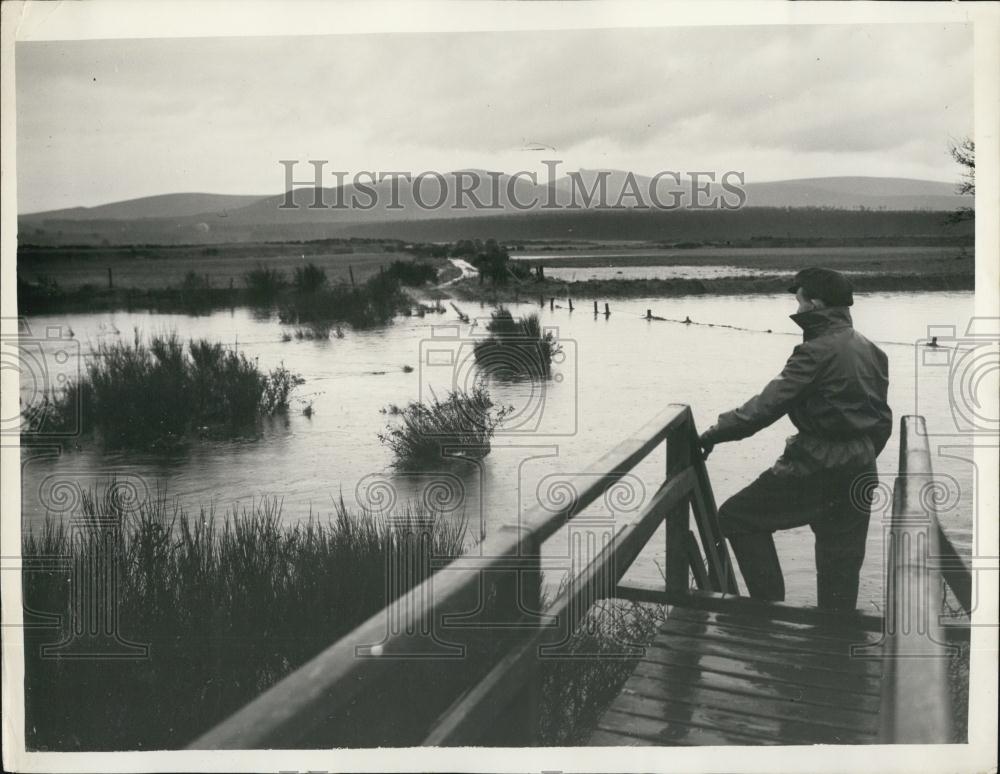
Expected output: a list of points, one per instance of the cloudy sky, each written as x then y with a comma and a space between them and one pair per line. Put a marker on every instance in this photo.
101, 121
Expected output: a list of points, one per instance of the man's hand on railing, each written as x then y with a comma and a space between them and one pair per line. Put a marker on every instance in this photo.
706, 444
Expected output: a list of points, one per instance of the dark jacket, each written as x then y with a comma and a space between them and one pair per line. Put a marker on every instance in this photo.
833, 388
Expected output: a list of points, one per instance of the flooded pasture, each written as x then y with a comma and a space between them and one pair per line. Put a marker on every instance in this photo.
613, 375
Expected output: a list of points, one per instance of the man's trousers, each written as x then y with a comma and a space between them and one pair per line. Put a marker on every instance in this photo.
835, 504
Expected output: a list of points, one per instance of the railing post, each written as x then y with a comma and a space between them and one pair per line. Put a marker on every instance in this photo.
678, 518
720, 575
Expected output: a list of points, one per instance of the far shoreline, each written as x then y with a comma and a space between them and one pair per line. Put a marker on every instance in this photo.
202, 279
175, 300
471, 290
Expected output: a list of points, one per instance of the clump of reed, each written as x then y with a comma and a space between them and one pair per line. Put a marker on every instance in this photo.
464, 422
516, 348
226, 607
144, 393
374, 302
320, 330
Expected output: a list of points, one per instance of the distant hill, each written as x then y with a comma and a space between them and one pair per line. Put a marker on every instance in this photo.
177, 205
890, 193
199, 217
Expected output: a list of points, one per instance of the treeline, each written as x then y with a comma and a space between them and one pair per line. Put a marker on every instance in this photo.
305, 296
31, 252
695, 225
760, 224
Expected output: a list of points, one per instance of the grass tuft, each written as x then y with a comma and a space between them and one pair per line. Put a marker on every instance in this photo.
146, 393
516, 348
464, 422
227, 608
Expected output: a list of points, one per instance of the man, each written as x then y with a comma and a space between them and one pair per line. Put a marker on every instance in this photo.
834, 389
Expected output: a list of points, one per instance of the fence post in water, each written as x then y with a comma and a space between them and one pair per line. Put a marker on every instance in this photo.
571, 304
552, 303
649, 314
111, 283
675, 570
595, 308
607, 309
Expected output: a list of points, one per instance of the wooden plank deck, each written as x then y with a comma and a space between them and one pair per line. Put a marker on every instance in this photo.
744, 678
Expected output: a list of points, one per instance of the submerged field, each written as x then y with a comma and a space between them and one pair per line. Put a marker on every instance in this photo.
208, 623
154, 267
949, 259
214, 276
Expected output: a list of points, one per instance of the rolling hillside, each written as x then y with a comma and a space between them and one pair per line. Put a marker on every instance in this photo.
392, 209
178, 205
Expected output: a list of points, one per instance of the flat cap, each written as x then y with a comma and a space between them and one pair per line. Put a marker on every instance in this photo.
829, 286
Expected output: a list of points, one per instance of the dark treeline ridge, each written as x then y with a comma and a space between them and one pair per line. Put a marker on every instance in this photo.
27, 250
743, 224
717, 226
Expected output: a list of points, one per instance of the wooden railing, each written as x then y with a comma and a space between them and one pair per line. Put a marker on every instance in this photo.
428, 668
916, 700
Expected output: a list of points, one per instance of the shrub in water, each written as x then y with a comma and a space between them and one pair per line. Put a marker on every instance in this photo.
516, 348
138, 393
463, 421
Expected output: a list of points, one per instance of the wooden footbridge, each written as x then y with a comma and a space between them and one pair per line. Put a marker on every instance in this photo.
457, 659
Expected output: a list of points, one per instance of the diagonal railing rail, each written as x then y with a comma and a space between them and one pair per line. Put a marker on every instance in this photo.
456, 659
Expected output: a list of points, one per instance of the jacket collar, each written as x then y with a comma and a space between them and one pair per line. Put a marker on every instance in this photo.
816, 322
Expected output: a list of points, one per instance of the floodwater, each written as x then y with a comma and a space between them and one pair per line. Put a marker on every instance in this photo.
581, 274
717, 255
616, 271
615, 373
